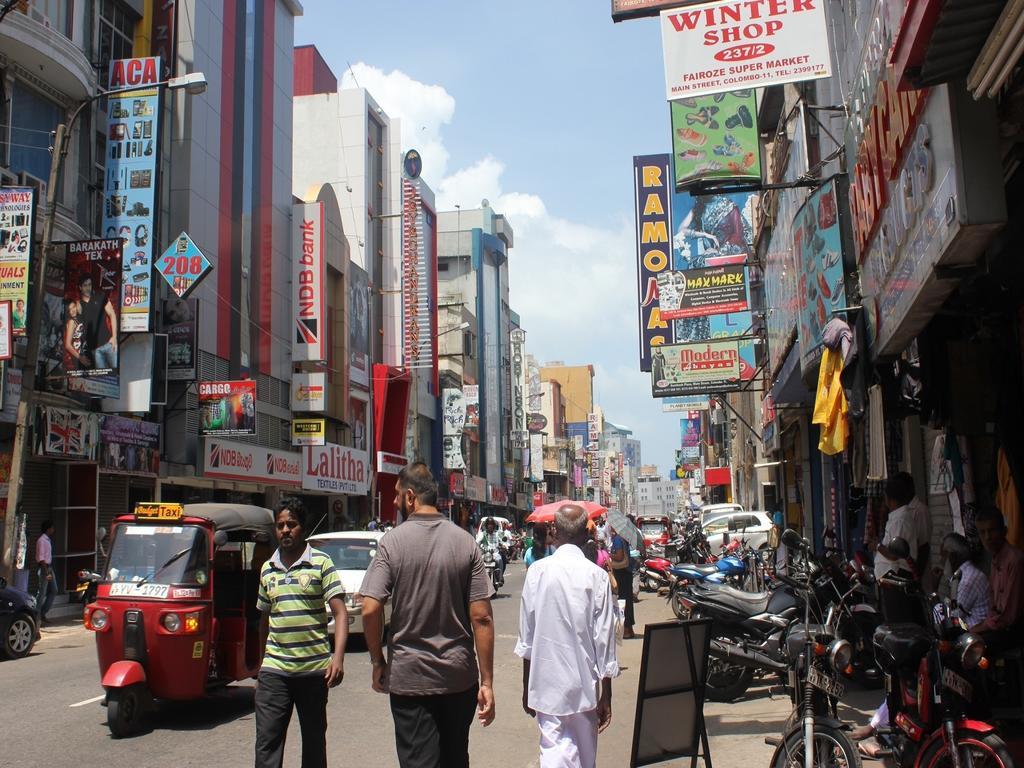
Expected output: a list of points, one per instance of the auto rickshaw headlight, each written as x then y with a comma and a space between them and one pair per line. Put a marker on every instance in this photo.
99, 620
171, 622
191, 623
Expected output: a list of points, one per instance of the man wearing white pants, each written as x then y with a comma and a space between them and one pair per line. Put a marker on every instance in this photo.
567, 643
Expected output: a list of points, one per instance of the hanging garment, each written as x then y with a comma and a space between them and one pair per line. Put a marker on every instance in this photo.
830, 404
1008, 502
876, 435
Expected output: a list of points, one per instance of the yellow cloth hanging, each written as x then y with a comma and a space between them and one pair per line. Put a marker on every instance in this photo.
1007, 501
830, 405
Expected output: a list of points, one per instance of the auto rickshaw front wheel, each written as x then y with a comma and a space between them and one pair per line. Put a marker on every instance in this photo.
126, 709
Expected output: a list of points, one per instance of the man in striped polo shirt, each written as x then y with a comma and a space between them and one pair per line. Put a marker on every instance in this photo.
298, 584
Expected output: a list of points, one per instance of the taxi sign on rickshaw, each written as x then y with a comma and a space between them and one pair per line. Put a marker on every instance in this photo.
158, 510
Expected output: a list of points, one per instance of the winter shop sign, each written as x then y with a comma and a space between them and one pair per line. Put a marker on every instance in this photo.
732, 45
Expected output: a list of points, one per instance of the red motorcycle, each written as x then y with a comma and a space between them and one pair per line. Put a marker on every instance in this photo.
655, 574
931, 678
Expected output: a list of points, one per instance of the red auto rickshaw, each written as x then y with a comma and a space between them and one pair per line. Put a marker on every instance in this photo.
175, 614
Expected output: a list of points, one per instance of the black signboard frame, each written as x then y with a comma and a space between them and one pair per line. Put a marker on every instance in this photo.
686, 693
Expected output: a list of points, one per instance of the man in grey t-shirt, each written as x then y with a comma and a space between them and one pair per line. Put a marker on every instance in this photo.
433, 574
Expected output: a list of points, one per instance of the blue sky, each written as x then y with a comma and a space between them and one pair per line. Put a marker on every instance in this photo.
539, 107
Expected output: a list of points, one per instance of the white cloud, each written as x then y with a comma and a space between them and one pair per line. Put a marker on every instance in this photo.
423, 110
573, 283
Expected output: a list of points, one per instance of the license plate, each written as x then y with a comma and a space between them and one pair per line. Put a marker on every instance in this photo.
127, 589
957, 684
826, 683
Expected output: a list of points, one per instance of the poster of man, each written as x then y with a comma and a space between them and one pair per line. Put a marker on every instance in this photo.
227, 407
92, 278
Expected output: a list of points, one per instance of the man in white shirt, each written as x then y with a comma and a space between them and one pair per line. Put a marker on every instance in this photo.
44, 564
567, 643
901, 524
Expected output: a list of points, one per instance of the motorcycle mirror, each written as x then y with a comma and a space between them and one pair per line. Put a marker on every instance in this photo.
726, 538
101, 534
792, 539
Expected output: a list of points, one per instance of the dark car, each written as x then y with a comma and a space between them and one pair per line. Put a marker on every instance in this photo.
19, 622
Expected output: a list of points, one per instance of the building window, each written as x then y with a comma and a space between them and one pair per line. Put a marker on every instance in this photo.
115, 30
33, 118
55, 14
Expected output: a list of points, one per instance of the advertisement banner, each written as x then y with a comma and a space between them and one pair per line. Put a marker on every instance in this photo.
712, 230
131, 446
358, 326
453, 411
700, 292
308, 274
471, 393
687, 403
309, 392
821, 290
689, 430
180, 318
66, 434
536, 458
92, 285
518, 377
457, 484
6, 339
699, 368
715, 139
309, 432
129, 188
336, 469
227, 407
476, 488
451, 452
722, 46
183, 265
416, 273
229, 460
651, 174
16, 228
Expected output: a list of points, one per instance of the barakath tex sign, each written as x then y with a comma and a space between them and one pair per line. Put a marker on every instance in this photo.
724, 46
336, 469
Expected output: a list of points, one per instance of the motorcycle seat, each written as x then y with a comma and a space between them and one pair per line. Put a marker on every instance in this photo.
898, 645
703, 570
749, 603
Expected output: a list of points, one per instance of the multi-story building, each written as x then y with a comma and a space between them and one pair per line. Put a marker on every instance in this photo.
655, 496
577, 385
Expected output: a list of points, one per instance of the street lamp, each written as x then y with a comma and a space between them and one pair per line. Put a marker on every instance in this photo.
192, 83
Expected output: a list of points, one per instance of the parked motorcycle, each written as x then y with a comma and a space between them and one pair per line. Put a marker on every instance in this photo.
655, 573
931, 678
814, 735
88, 581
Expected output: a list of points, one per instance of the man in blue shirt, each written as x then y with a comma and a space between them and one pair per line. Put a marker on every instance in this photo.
624, 579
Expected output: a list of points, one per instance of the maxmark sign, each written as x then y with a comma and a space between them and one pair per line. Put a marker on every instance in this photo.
252, 463
725, 46
308, 342
336, 469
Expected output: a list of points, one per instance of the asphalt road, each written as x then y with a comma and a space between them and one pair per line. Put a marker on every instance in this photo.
53, 716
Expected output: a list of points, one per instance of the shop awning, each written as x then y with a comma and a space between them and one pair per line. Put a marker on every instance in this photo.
1001, 52
789, 387
940, 40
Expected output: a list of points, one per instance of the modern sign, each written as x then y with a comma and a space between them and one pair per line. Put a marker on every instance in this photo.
129, 187
699, 368
728, 45
336, 469
307, 432
309, 392
229, 460
308, 274
183, 265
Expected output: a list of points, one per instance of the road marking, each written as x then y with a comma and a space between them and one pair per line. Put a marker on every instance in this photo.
93, 700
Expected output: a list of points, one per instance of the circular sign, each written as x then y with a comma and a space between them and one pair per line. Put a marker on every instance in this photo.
535, 422
413, 164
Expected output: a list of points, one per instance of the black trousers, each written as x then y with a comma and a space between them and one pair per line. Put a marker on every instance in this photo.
624, 579
275, 697
433, 731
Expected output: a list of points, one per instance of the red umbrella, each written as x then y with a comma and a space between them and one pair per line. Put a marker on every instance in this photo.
546, 513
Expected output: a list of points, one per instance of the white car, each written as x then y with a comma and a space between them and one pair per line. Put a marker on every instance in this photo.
352, 553
709, 511
749, 527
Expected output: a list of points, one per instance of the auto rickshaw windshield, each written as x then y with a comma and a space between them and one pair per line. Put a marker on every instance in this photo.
159, 554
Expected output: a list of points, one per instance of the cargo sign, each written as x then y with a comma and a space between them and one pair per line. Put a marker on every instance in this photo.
308, 272
227, 407
699, 292
308, 432
699, 368
251, 463
336, 469
724, 46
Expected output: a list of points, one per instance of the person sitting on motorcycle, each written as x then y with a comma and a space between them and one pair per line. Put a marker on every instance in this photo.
490, 538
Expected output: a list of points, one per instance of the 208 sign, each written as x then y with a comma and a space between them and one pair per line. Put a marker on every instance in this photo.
183, 265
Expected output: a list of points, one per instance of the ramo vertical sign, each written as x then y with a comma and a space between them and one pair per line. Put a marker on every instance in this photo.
651, 178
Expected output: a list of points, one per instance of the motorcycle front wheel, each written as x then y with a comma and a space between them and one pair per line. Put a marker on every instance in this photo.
979, 750
680, 610
832, 749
